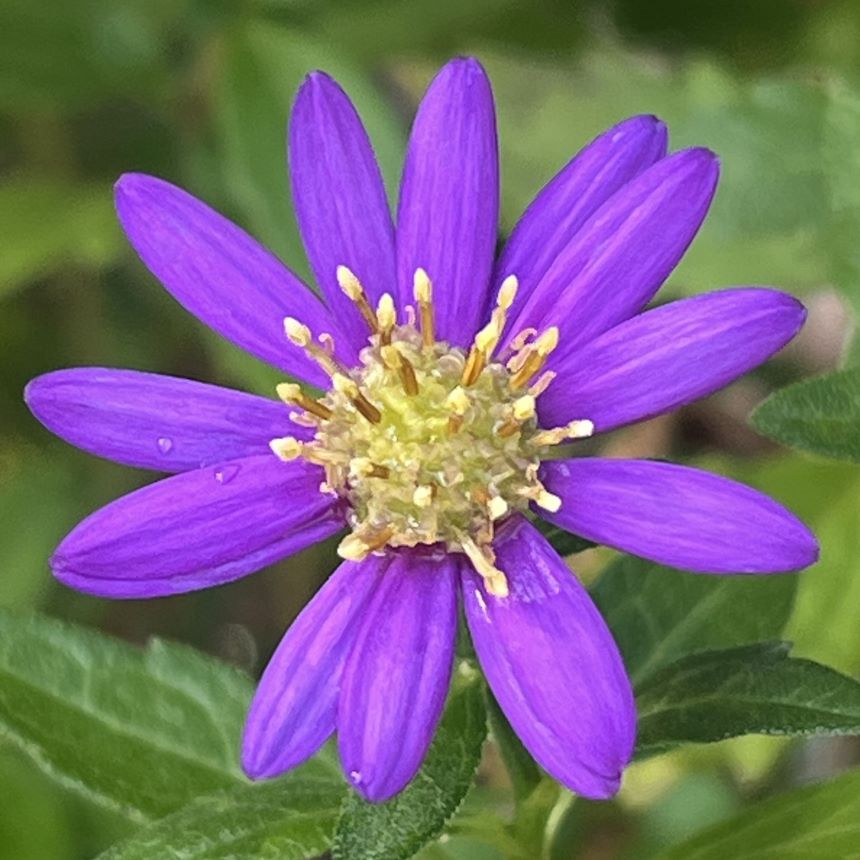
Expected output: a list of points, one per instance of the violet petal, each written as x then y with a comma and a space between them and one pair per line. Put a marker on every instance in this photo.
340, 200
577, 191
448, 213
552, 664
156, 422
670, 356
677, 516
198, 529
618, 260
220, 274
397, 675
295, 707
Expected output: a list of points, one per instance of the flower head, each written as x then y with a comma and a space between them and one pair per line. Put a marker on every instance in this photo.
448, 377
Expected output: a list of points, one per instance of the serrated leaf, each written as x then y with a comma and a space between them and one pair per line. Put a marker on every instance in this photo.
142, 732
401, 827
289, 819
818, 415
565, 543
818, 821
658, 614
48, 224
755, 689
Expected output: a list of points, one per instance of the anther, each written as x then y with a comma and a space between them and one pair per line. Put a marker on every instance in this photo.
548, 501
300, 335
497, 507
484, 561
364, 467
346, 386
353, 548
423, 496
386, 317
423, 292
286, 448
458, 401
524, 407
352, 287
507, 292
537, 354
395, 360
292, 394
579, 429
508, 427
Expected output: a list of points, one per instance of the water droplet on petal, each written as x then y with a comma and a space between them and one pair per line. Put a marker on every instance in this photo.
165, 444
225, 474
355, 776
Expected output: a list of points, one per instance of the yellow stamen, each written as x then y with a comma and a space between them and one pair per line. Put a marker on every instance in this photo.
507, 292
458, 401
548, 501
364, 467
423, 496
524, 407
352, 287
497, 507
386, 317
484, 561
395, 360
423, 291
353, 548
346, 386
579, 429
537, 354
300, 335
292, 394
286, 448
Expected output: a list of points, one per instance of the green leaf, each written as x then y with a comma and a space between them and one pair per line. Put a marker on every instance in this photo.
818, 821
142, 732
658, 614
399, 828
563, 542
818, 415
290, 819
754, 689
48, 224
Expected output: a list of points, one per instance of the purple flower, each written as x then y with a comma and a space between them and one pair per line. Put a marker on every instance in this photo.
449, 378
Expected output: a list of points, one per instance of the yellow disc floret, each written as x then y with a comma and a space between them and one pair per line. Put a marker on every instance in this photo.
425, 442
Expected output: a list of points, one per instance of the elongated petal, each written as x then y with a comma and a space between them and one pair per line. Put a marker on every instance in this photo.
397, 675
449, 199
565, 204
153, 421
220, 274
618, 260
340, 200
552, 664
197, 529
678, 516
295, 707
669, 356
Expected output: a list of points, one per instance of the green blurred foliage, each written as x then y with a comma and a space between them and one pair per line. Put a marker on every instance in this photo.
199, 91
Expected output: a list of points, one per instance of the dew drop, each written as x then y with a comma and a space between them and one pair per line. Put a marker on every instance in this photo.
165, 444
355, 776
226, 474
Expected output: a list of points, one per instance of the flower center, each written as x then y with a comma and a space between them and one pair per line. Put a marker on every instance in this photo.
428, 443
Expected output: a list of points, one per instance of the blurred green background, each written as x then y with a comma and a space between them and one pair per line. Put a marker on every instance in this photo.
199, 93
